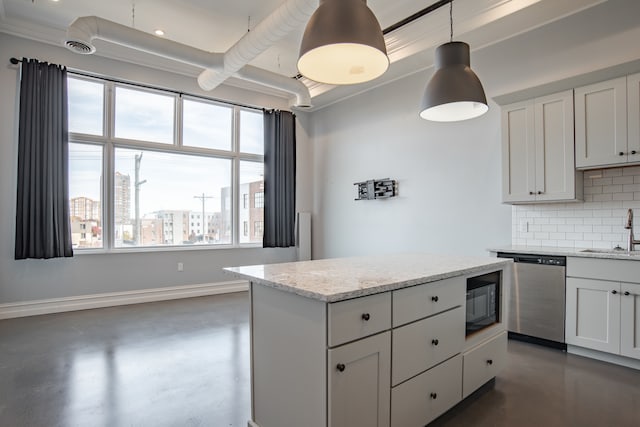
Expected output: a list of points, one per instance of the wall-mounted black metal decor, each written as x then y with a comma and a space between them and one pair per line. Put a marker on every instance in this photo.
377, 189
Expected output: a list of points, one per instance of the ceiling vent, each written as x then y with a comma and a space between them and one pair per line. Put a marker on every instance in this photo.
79, 47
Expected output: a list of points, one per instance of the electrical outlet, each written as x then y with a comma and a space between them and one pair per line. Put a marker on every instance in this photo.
180, 266
524, 226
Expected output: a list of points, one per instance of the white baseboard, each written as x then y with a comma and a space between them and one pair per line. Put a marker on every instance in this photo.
605, 357
83, 302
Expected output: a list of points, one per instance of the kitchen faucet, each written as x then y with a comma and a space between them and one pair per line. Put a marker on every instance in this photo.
629, 226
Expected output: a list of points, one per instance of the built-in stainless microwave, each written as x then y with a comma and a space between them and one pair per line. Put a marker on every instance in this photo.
483, 301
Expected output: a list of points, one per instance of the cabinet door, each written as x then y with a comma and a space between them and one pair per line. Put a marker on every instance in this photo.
593, 314
601, 123
518, 153
555, 158
630, 320
359, 383
633, 117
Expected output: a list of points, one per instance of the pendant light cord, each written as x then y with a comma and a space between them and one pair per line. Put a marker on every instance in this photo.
451, 20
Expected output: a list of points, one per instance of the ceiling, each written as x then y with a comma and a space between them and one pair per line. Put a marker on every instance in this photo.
216, 25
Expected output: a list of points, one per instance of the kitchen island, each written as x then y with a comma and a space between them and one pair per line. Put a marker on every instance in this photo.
368, 341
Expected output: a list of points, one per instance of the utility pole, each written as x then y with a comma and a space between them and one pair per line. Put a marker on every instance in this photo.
204, 218
137, 184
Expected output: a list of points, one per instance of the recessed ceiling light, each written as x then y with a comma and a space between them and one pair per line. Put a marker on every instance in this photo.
159, 32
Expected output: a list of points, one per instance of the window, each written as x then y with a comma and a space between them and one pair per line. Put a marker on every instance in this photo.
257, 228
258, 200
162, 196
251, 132
252, 186
206, 125
143, 115
86, 106
165, 188
85, 194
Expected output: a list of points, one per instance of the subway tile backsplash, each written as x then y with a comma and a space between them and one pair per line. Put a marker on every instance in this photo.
598, 222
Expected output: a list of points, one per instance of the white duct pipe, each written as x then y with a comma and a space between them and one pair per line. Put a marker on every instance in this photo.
288, 17
286, 84
83, 31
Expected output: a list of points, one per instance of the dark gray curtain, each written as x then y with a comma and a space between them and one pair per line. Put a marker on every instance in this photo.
42, 206
279, 179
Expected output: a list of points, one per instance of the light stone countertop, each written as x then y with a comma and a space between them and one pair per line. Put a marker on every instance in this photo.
338, 279
573, 252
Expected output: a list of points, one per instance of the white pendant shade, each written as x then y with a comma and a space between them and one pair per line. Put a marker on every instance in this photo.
454, 111
454, 92
343, 44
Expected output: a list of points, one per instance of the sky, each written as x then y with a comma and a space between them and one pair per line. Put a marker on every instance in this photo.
172, 180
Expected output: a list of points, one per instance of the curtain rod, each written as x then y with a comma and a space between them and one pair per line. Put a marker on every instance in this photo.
417, 15
16, 61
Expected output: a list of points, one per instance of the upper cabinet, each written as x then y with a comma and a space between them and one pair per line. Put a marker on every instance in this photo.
633, 121
538, 163
607, 123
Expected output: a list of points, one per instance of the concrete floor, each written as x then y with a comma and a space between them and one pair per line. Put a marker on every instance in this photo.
186, 363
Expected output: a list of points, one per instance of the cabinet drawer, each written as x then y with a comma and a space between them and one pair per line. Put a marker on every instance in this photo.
416, 302
427, 396
603, 269
419, 346
359, 317
483, 363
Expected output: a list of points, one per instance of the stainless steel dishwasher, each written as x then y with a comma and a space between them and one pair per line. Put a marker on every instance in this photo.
537, 299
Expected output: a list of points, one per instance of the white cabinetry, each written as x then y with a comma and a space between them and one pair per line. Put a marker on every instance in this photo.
630, 320
633, 117
483, 362
607, 120
593, 314
420, 400
357, 362
603, 305
538, 160
359, 389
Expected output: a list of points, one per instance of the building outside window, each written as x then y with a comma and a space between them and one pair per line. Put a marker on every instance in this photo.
257, 228
258, 200
195, 203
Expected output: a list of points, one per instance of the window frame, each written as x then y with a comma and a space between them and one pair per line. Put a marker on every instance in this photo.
110, 143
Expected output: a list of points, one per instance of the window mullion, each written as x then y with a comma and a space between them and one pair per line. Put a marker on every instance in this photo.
108, 171
235, 181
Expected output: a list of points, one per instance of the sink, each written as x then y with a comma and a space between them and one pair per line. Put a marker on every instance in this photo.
612, 252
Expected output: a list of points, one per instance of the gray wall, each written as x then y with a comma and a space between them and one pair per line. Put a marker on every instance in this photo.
449, 174
99, 273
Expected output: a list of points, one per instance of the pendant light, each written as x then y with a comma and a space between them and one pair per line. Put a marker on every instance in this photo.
343, 44
454, 92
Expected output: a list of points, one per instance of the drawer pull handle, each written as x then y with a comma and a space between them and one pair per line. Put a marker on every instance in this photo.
633, 151
366, 317
434, 396
614, 292
489, 362
435, 342
531, 193
621, 153
340, 367
627, 293
435, 299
